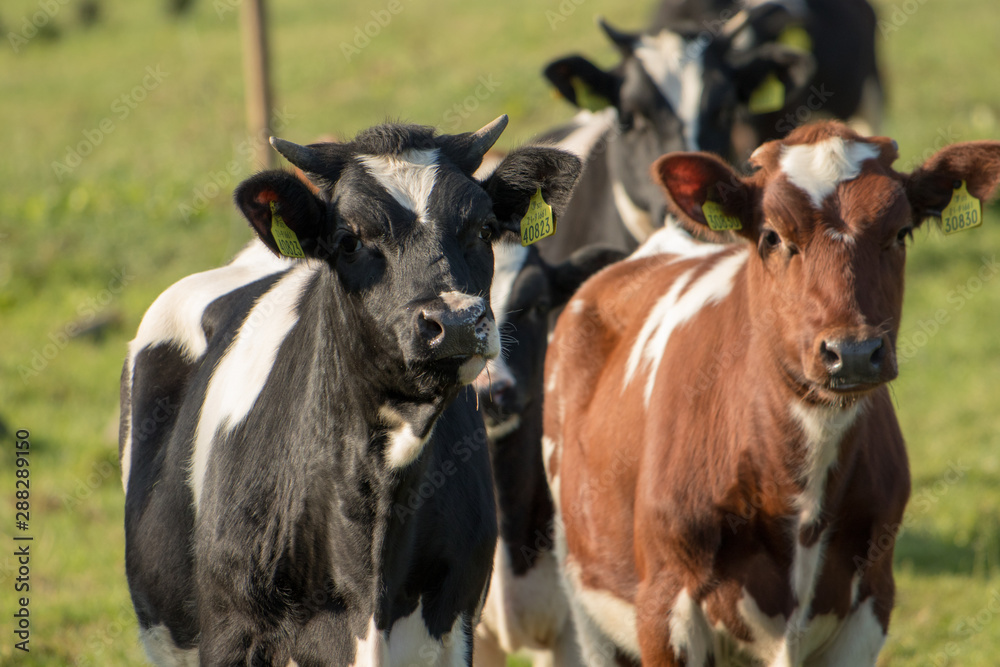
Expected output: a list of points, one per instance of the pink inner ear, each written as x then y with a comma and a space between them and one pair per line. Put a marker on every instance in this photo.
686, 181
266, 196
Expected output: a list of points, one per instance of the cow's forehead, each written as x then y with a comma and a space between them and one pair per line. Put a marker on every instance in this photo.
818, 168
676, 65
402, 192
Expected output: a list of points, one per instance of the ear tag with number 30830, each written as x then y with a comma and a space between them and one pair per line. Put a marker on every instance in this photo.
717, 219
288, 242
538, 221
963, 211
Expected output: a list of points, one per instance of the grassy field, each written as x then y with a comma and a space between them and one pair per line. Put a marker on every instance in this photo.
123, 140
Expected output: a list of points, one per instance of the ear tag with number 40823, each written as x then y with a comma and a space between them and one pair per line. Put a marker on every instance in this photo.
538, 221
718, 221
963, 211
288, 242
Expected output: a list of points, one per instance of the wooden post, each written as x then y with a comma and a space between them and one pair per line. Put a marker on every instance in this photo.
257, 78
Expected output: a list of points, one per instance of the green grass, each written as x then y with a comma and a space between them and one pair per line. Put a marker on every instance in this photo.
64, 241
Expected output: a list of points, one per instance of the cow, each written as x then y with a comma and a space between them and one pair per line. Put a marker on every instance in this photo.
686, 83
307, 480
720, 439
525, 608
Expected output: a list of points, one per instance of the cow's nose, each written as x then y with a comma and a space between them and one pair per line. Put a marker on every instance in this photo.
851, 362
454, 327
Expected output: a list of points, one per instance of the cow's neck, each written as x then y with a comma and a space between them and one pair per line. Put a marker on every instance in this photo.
370, 415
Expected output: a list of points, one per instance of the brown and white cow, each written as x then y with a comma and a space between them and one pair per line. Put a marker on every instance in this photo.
719, 437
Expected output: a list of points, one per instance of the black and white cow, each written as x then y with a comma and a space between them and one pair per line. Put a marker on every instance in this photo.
685, 84
525, 609
279, 416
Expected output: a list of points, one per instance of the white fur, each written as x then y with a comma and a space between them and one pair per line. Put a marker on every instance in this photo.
768, 632
175, 316
408, 177
409, 642
638, 222
858, 642
614, 616
676, 66
591, 126
126, 457
528, 611
673, 310
508, 260
243, 370
818, 168
161, 650
372, 650
671, 240
690, 633
403, 446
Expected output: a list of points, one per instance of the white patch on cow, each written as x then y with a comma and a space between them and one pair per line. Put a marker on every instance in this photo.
672, 240
528, 611
474, 366
372, 650
508, 260
674, 309
768, 632
818, 168
676, 65
858, 641
175, 316
690, 633
403, 446
549, 449
638, 222
823, 428
243, 370
408, 177
161, 649
590, 127
410, 642
126, 425
614, 616
840, 237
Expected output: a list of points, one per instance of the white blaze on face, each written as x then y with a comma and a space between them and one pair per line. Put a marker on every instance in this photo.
408, 177
818, 168
508, 260
676, 67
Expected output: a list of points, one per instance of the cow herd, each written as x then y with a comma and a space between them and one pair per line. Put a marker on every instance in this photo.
396, 435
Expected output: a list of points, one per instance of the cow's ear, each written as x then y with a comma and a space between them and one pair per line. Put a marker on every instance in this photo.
584, 84
930, 187
286, 215
752, 69
570, 274
521, 174
708, 198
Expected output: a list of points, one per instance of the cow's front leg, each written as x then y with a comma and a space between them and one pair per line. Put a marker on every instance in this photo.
673, 630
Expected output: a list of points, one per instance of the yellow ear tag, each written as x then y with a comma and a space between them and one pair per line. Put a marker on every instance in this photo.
963, 211
538, 222
796, 37
769, 96
587, 99
288, 242
717, 220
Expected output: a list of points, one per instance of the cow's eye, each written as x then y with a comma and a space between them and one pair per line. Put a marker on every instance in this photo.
903, 233
350, 244
486, 231
770, 240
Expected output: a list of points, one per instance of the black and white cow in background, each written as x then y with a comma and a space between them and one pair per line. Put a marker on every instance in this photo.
297, 404
525, 609
685, 84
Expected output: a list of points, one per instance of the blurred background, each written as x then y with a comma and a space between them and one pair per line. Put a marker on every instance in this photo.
124, 134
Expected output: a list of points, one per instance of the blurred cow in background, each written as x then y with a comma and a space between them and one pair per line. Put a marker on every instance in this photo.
714, 76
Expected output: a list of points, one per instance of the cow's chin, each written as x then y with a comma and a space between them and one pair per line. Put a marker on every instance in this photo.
839, 395
442, 376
